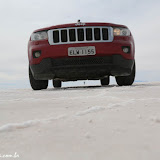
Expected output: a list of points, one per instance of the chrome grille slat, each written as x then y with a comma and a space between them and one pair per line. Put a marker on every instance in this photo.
60, 36
101, 33
67, 36
93, 39
76, 33
84, 34
75, 29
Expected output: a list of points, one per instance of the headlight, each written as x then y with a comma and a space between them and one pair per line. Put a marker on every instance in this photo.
39, 36
121, 32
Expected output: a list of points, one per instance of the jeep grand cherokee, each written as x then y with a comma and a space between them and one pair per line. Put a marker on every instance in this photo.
81, 51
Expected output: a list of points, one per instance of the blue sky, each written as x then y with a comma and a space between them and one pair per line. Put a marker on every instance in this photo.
19, 19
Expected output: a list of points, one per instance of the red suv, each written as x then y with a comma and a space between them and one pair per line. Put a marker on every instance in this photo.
81, 51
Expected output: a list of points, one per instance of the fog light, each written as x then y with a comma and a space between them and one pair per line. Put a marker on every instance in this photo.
36, 54
126, 49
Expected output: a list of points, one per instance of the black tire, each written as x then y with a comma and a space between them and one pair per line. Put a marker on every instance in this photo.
57, 83
37, 84
105, 81
127, 80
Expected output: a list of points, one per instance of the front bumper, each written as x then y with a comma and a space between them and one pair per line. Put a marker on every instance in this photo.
82, 68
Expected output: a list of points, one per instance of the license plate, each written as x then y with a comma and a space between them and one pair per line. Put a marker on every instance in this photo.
81, 51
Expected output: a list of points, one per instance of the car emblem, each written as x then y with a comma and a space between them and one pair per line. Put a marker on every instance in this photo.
79, 23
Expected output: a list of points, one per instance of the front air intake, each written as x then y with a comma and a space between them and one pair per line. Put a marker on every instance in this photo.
80, 35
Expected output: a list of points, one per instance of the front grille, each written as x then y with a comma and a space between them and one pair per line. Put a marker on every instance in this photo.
56, 36
81, 61
72, 35
89, 35
64, 35
97, 34
80, 35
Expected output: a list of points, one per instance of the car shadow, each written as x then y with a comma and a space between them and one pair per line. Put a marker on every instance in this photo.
80, 88
137, 85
